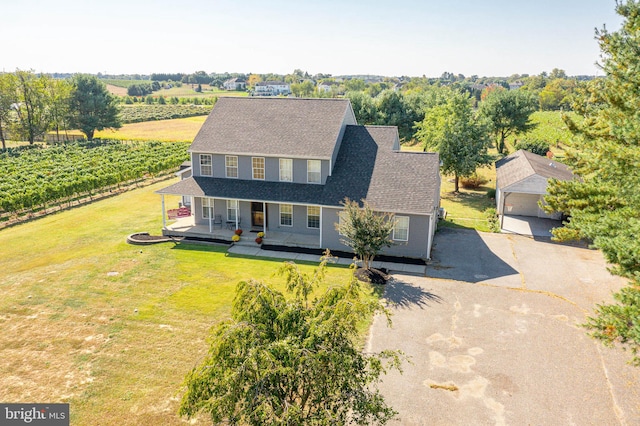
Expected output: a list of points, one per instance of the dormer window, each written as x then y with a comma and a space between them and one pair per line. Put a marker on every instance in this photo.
314, 174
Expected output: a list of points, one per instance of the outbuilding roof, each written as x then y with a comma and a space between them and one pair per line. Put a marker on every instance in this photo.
523, 164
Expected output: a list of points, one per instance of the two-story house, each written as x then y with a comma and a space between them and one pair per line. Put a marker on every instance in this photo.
235, 84
271, 88
284, 166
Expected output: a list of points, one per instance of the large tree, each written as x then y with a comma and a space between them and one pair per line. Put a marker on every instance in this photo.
604, 205
92, 105
32, 105
508, 113
8, 99
291, 361
365, 230
455, 133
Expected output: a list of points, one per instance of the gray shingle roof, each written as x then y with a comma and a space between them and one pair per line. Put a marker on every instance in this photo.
522, 164
303, 128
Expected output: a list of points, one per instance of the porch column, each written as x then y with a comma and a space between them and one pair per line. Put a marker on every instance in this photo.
164, 218
264, 217
237, 212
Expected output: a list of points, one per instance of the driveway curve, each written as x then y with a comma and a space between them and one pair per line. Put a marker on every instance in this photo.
493, 338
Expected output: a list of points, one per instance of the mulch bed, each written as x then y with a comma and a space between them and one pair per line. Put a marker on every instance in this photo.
374, 276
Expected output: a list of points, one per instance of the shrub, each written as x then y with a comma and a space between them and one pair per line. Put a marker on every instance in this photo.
491, 193
492, 219
473, 182
536, 146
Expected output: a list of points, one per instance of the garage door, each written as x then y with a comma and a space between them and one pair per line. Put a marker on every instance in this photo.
521, 204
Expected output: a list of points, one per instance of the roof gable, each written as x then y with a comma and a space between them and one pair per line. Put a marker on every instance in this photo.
523, 164
292, 127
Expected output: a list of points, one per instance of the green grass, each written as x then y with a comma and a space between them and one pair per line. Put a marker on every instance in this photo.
109, 327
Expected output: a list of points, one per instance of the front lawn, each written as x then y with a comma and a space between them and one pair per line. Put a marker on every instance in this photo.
109, 327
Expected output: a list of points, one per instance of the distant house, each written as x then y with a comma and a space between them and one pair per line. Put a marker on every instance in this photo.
326, 86
272, 88
235, 84
521, 183
283, 166
515, 85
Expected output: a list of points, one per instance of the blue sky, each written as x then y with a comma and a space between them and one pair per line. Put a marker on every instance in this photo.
404, 37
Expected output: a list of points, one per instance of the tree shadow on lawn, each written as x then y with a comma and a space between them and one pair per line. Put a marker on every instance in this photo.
403, 294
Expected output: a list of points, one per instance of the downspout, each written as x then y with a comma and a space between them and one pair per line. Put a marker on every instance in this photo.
320, 246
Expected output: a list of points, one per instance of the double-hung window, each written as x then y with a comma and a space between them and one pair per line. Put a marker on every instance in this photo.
314, 174
401, 229
286, 215
257, 164
286, 170
231, 166
206, 165
232, 210
207, 208
313, 217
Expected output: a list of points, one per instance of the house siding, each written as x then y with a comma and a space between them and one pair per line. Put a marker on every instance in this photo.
416, 247
299, 220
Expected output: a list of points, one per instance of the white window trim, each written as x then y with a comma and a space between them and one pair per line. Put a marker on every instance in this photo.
232, 205
202, 156
253, 168
227, 167
394, 229
319, 212
309, 171
280, 215
290, 169
207, 206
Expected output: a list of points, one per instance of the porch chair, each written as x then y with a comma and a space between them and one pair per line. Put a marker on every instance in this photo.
217, 221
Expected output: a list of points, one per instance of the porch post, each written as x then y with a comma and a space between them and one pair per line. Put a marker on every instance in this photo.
210, 216
237, 212
264, 217
164, 219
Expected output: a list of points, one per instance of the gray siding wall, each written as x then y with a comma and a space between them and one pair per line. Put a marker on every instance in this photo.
299, 220
416, 247
271, 166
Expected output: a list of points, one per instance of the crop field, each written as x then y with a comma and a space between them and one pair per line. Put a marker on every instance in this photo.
111, 328
178, 130
123, 83
138, 113
35, 177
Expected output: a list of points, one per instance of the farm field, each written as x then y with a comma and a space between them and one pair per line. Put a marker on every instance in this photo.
109, 327
177, 130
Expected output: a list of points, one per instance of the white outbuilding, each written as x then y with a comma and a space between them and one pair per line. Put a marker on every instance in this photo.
521, 183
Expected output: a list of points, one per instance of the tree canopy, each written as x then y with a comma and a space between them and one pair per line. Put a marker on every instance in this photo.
452, 129
291, 361
364, 230
92, 105
508, 112
604, 205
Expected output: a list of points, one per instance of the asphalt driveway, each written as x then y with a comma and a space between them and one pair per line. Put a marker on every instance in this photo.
493, 338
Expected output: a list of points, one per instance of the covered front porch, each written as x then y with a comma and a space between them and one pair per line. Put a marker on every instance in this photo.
187, 227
